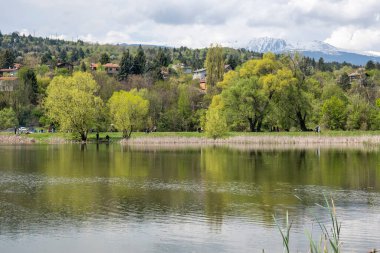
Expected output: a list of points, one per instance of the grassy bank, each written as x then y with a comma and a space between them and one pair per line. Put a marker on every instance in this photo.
231, 137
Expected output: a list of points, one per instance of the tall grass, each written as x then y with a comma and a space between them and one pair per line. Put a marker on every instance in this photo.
329, 239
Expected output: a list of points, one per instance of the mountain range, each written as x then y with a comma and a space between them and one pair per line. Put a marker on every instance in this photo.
314, 49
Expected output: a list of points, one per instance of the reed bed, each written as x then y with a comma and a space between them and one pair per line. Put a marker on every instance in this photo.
257, 140
16, 139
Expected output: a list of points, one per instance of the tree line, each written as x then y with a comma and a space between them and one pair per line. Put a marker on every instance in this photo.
262, 93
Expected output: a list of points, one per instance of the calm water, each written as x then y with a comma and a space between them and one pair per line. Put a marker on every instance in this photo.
113, 199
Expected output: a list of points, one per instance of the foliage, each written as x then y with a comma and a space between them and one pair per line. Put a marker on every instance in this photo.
8, 118
139, 62
214, 65
285, 233
128, 111
334, 113
104, 58
216, 123
7, 59
72, 103
126, 65
29, 80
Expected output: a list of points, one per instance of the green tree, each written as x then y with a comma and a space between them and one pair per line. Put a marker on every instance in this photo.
214, 65
126, 65
83, 67
139, 62
248, 91
184, 107
344, 81
7, 59
334, 113
370, 65
104, 58
29, 80
297, 94
128, 111
71, 102
216, 123
8, 118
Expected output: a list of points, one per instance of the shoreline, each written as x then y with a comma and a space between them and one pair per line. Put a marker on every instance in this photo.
170, 140
255, 140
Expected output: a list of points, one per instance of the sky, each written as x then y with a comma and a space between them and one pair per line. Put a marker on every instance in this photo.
348, 24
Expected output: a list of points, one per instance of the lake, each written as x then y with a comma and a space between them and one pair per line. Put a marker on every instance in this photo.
110, 198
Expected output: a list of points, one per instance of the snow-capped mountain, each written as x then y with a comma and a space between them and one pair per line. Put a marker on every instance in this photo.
314, 49
266, 44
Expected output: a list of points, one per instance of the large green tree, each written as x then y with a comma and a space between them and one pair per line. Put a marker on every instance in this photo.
72, 103
214, 65
216, 122
248, 92
139, 62
126, 65
8, 118
128, 111
104, 58
7, 59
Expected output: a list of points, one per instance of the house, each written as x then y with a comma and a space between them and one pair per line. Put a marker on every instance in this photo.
199, 74
65, 65
112, 68
359, 74
227, 68
10, 71
202, 85
8, 83
94, 66
181, 67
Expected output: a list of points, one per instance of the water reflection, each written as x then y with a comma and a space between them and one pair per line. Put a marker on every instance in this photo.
217, 191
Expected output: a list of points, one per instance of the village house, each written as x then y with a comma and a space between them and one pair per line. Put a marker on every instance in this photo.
112, 68
10, 71
94, 66
358, 75
199, 74
8, 83
184, 69
65, 65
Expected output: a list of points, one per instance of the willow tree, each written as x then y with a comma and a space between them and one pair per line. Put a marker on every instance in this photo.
214, 65
72, 103
248, 91
128, 111
216, 122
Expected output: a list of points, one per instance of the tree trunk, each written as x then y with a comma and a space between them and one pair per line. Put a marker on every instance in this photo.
130, 133
259, 124
83, 136
302, 121
252, 124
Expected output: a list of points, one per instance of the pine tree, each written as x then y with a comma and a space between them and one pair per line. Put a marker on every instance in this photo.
126, 65
104, 58
139, 62
7, 59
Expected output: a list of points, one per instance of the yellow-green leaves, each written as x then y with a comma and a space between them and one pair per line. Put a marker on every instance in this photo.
128, 111
216, 123
72, 104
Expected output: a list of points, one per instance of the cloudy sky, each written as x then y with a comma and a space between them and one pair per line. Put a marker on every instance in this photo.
349, 24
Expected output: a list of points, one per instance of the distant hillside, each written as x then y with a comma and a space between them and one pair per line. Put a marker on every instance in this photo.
32, 51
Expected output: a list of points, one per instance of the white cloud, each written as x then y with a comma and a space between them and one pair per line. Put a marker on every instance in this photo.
197, 23
355, 38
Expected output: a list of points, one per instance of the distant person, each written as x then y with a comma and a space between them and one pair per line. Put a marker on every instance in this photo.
97, 136
107, 137
317, 129
15, 130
